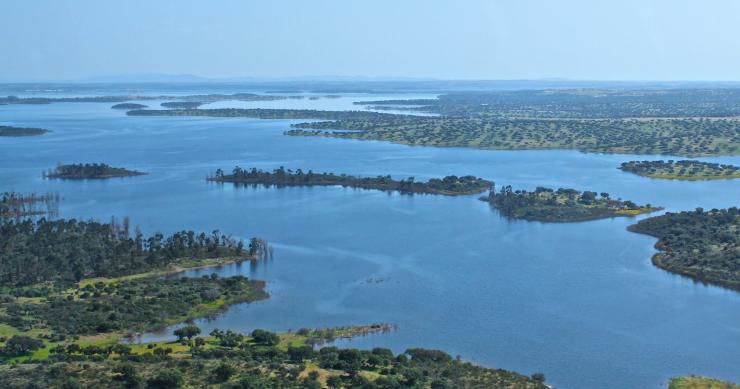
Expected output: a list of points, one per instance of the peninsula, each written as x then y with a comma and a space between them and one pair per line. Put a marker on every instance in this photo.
702, 245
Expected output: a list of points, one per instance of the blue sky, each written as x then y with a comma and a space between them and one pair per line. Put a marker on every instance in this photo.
462, 39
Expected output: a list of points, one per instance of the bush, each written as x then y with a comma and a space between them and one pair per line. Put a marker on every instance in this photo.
20, 345
265, 337
165, 379
223, 372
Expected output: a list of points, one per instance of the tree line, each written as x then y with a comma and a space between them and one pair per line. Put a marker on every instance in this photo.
70, 250
449, 185
80, 171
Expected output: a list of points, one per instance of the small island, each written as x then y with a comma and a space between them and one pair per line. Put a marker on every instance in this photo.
561, 205
182, 104
682, 170
699, 244
129, 106
10, 131
90, 171
448, 186
696, 382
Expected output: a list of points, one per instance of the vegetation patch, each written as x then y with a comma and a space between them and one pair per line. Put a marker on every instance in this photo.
562, 205
262, 113
450, 185
688, 137
694, 382
90, 171
673, 122
182, 104
128, 106
579, 103
227, 359
129, 306
682, 170
21, 131
67, 251
703, 245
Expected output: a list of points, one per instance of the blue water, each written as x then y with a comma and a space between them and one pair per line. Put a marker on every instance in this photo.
579, 302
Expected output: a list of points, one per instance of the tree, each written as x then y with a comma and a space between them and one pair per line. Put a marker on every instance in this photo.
265, 337
199, 342
189, 331
70, 383
20, 345
334, 382
298, 354
165, 379
223, 372
128, 374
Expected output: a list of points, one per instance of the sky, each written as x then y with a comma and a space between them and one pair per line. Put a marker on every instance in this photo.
461, 39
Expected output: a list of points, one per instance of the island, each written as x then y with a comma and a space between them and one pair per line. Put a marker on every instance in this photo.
561, 205
129, 106
699, 244
182, 104
75, 294
696, 382
10, 131
90, 171
682, 170
448, 186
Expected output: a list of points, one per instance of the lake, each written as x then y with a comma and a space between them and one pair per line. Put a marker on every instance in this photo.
579, 302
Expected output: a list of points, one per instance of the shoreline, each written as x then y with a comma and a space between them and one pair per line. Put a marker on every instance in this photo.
269, 185
656, 260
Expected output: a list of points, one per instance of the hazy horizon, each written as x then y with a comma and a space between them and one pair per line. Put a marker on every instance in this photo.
634, 40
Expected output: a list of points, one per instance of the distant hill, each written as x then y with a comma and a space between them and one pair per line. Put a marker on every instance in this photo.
145, 78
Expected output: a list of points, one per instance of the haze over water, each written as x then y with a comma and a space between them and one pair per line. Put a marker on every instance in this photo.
579, 302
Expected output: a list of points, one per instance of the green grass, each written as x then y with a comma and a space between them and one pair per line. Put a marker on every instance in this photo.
182, 265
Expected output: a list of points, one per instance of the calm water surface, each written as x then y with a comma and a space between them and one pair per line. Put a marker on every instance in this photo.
580, 302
